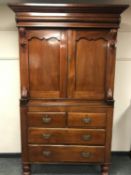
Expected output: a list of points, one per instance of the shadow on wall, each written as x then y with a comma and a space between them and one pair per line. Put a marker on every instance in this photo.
123, 128
126, 22
125, 26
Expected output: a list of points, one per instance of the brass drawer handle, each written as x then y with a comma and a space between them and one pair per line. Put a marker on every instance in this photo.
46, 119
86, 154
86, 120
86, 137
46, 135
47, 153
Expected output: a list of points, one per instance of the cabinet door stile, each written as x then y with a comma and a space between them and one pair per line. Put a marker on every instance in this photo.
71, 63
63, 65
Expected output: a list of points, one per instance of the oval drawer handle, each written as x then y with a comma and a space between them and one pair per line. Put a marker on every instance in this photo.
86, 154
86, 120
86, 137
47, 153
46, 119
46, 135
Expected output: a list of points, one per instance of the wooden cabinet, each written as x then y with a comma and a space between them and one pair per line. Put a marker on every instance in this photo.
67, 65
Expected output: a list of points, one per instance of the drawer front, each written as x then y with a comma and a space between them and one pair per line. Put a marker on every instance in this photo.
87, 120
66, 154
67, 136
50, 119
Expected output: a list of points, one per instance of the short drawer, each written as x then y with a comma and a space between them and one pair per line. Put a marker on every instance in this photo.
48, 119
66, 154
87, 120
66, 136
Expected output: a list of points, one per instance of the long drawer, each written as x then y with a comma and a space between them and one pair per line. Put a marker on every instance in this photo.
47, 119
66, 136
87, 120
66, 154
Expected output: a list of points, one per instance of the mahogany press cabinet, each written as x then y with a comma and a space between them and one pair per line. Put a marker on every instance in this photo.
67, 65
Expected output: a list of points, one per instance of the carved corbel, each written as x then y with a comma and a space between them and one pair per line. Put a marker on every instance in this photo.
112, 41
24, 92
24, 96
23, 40
109, 94
109, 97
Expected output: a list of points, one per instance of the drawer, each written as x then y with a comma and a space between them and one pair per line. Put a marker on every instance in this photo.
66, 154
66, 136
48, 119
87, 120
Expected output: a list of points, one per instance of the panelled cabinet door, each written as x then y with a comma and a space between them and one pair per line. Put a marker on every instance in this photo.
88, 63
47, 63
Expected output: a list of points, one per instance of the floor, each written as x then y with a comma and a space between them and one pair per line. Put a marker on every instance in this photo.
121, 165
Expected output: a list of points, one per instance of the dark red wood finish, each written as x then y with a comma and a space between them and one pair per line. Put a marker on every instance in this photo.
67, 64
66, 154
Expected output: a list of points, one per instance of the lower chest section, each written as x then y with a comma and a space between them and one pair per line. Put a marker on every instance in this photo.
68, 134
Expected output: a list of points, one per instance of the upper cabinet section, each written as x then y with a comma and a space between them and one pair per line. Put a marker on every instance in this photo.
68, 15
67, 51
77, 63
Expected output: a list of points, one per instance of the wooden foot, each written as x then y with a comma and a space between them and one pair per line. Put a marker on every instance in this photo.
105, 170
26, 169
